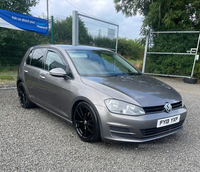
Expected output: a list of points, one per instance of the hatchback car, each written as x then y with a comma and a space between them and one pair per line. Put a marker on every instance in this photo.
101, 93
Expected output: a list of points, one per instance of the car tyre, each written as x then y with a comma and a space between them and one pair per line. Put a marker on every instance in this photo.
86, 122
23, 97
190, 80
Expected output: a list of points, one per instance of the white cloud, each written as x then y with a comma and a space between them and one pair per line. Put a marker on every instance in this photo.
103, 9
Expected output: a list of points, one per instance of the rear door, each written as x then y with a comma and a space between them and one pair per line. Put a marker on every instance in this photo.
34, 64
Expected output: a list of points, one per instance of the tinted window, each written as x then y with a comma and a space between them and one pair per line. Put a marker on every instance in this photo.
54, 61
100, 63
28, 60
38, 57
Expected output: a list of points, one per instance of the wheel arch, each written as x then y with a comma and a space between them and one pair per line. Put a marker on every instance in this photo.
83, 99
19, 79
97, 134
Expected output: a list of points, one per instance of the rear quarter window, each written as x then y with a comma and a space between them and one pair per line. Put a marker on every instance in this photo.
28, 60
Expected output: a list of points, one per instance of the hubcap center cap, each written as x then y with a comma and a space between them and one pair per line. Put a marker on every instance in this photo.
85, 122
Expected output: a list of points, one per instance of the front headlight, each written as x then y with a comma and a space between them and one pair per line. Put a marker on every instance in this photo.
120, 107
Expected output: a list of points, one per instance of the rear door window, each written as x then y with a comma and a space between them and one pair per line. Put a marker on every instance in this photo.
37, 57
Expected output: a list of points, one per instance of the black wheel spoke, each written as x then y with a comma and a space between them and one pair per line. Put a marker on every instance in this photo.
90, 125
85, 129
80, 115
79, 122
81, 112
19, 91
24, 99
88, 115
86, 122
80, 126
89, 130
22, 96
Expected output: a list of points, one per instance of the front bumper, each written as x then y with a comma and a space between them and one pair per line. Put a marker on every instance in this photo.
115, 127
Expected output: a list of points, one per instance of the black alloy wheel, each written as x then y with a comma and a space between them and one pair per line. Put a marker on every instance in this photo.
23, 98
86, 122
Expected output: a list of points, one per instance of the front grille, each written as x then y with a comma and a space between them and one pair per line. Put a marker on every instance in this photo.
157, 131
176, 105
160, 108
153, 109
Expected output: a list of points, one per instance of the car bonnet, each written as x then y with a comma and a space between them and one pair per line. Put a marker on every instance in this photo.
144, 89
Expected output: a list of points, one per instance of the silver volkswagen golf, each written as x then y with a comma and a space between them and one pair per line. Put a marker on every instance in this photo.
102, 94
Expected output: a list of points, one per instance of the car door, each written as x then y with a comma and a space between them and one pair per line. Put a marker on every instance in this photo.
55, 91
32, 67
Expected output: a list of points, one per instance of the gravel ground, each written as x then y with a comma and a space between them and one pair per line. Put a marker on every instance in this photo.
4, 84
36, 140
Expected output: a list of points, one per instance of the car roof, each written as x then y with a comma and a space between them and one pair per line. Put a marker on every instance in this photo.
71, 47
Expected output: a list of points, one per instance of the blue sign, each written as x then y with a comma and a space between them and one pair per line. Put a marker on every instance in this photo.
13, 20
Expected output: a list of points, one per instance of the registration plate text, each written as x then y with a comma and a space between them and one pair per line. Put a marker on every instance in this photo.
168, 121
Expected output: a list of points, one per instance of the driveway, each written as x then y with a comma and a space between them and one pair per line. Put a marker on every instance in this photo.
36, 140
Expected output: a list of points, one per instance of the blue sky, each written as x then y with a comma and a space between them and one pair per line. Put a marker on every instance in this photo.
102, 9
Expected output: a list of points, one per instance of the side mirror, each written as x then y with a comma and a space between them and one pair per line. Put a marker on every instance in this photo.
58, 72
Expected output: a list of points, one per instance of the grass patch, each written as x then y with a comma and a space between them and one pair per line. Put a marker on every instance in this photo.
8, 74
6, 77
6, 69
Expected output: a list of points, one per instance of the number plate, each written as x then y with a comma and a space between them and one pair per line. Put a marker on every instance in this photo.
168, 121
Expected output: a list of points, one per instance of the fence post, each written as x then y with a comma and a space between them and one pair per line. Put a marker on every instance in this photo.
145, 52
52, 30
195, 57
75, 28
117, 39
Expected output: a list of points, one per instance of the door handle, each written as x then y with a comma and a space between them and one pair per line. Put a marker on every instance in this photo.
25, 71
42, 77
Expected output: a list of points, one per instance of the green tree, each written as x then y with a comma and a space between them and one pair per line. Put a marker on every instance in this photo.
20, 6
163, 15
63, 32
14, 43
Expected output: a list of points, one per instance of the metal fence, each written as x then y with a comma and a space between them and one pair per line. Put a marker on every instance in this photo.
171, 53
100, 28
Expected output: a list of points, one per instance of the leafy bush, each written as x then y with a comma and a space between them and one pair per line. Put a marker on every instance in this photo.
104, 42
197, 70
128, 48
172, 64
169, 64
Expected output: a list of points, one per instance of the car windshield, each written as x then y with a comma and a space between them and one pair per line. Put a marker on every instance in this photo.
100, 63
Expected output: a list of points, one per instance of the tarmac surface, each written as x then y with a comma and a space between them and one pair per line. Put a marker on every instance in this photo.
36, 140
